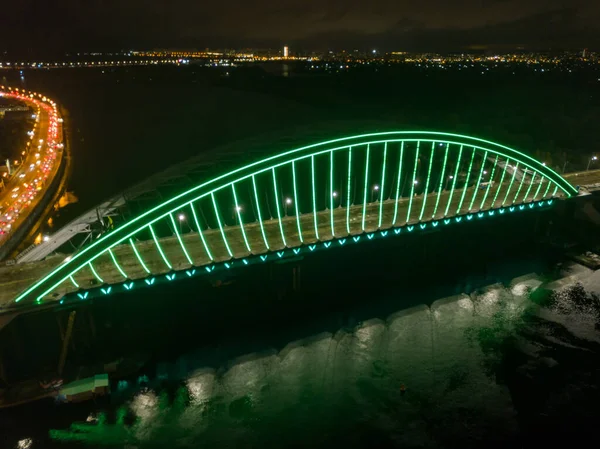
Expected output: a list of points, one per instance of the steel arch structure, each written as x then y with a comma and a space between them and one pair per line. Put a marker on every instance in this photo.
331, 191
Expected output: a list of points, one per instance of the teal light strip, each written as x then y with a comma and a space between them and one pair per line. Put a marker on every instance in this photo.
520, 187
296, 204
139, 258
349, 187
512, 180
114, 259
314, 196
454, 180
537, 192
167, 263
199, 228
183, 248
529, 188
478, 180
466, 186
382, 187
214, 202
399, 183
95, 274
260, 221
426, 192
364, 212
441, 187
73, 281
491, 183
278, 207
239, 215
501, 183
414, 181
331, 192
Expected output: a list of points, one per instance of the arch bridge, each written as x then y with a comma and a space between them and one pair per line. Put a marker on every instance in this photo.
334, 193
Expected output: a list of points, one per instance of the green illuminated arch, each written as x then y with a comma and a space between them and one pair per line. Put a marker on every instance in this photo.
331, 190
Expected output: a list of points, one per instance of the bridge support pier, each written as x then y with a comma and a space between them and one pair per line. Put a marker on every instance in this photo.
296, 277
3, 380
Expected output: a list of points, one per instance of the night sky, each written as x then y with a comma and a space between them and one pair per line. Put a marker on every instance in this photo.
34, 26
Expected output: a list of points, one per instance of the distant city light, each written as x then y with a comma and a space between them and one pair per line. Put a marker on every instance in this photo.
288, 201
181, 217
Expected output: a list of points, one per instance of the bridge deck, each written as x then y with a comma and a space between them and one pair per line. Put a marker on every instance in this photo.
16, 278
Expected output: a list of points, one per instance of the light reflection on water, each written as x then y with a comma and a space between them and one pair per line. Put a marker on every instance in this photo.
347, 382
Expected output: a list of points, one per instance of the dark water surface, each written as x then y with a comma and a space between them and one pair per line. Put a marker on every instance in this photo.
487, 356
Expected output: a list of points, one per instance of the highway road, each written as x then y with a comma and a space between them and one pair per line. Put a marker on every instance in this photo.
41, 158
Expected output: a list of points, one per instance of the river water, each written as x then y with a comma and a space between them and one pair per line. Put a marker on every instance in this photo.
504, 358
511, 363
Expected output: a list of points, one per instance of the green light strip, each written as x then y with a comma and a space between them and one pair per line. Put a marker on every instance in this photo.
399, 183
489, 187
412, 188
530, 186
511, 183
296, 204
128, 229
214, 202
139, 258
314, 196
537, 192
95, 274
114, 259
349, 186
331, 192
547, 189
425, 193
454, 180
478, 181
278, 208
364, 212
437, 201
187, 256
260, 221
466, 186
200, 231
239, 215
73, 281
501, 183
555, 190
382, 184
520, 187
167, 263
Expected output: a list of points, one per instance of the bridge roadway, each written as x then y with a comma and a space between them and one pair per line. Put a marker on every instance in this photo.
16, 278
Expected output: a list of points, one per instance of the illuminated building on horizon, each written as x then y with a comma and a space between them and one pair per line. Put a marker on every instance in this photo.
286, 51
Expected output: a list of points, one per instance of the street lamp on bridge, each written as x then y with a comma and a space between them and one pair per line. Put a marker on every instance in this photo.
288, 202
374, 192
593, 159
